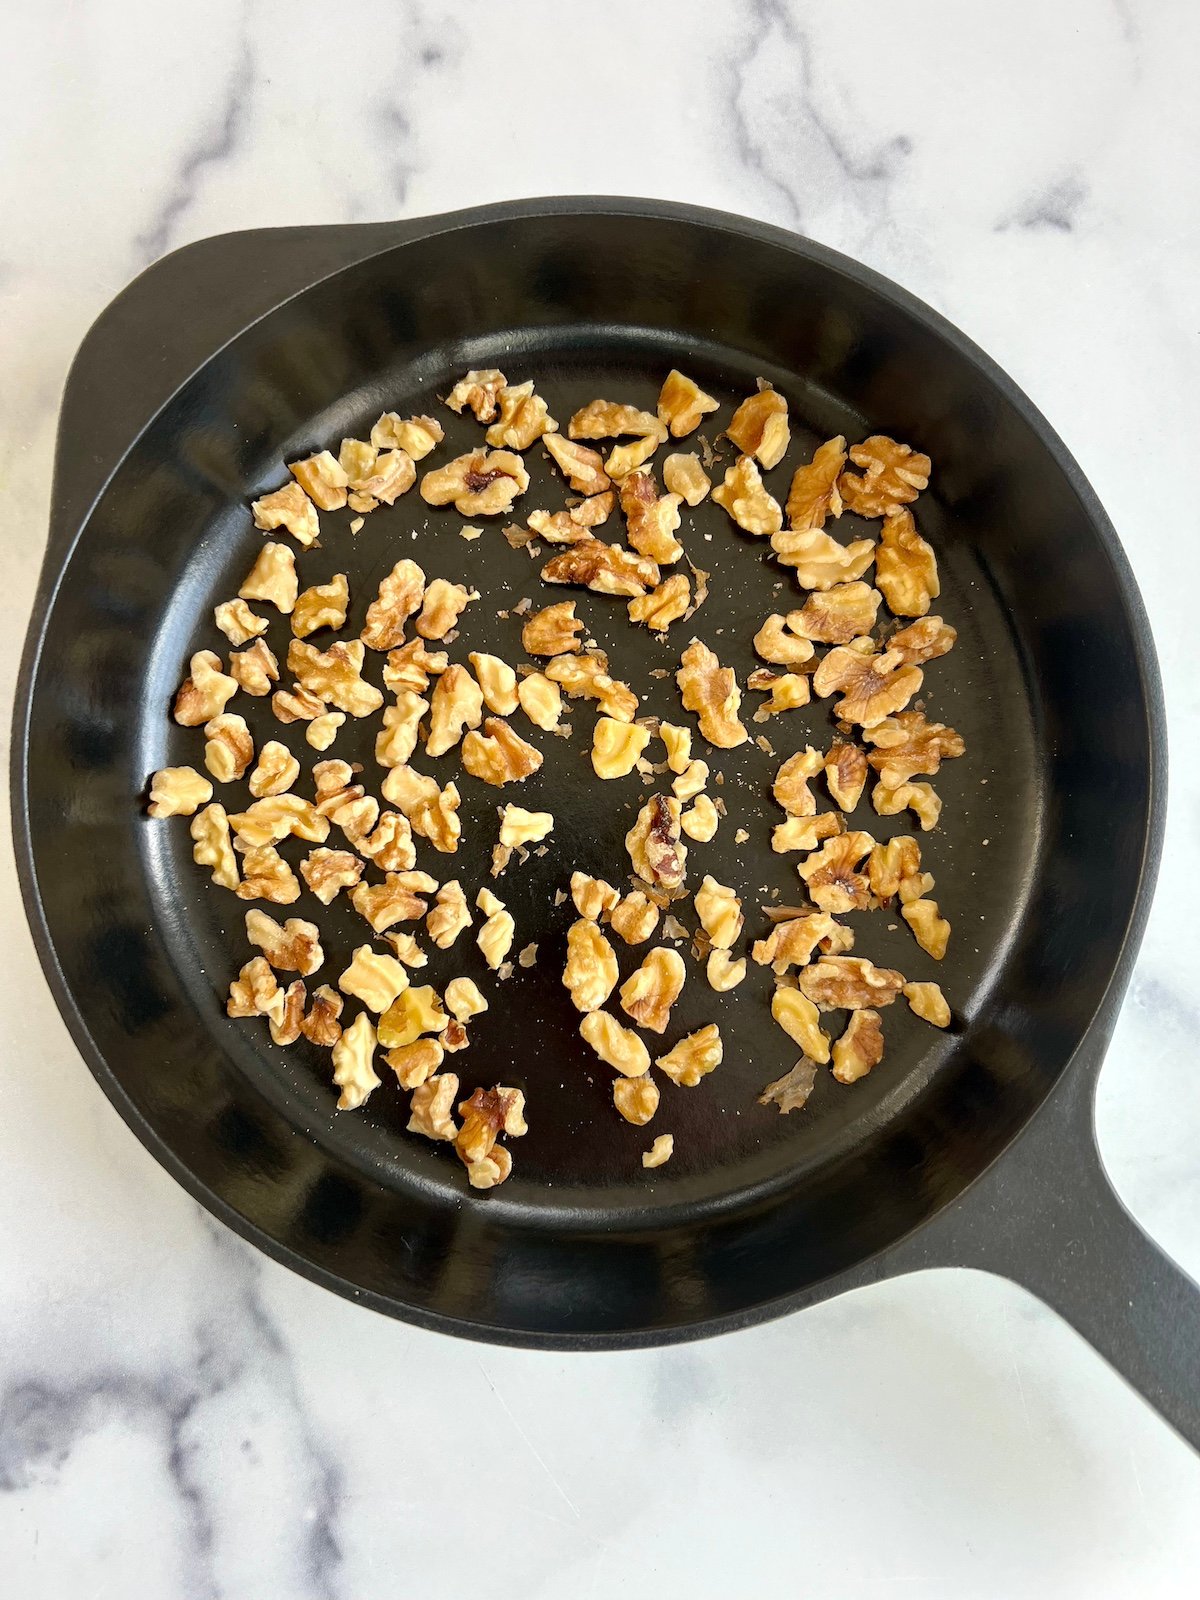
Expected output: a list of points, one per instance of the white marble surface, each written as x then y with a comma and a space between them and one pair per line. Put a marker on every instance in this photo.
180, 1418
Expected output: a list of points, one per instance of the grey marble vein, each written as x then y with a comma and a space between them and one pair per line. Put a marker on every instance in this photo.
1054, 208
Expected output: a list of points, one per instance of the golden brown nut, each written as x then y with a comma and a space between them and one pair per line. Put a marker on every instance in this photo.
791, 788
842, 983
923, 640
390, 843
932, 931
690, 781
860, 1048
820, 561
893, 475
711, 691
397, 739
266, 876
297, 705
291, 509
498, 682
872, 686
463, 999
414, 1011
374, 979
845, 773
682, 403
456, 704
335, 675
212, 846
357, 460
392, 474
617, 747
919, 798
415, 1063
744, 496
405, 948
400, 596
322, 606
678, 741
498, 755
579, 674
178, 792
891, 863
256, 993
591, 971
654, 845
553, 631
905, 566
323, 479
720, 913
780, 642
660, 1152
650, 991
613, 699
760, 426
482, 483
276, 771
524, 418
271, 819
791, 943
814, 495
634, 918
321, 1026
487, 1114
582, 468
830, 873
693, 1058
384, 904
723, 972
605, 419
238, 623
839, 614
683, 475
907, 744
417, 436
353, 1058
618, 1047
290, 1025
541, 700
254, 668
519, 827
433, 812
445, 602
272, 578
593, 897
477, 391
205, 692
575, 523
293, 947
788, 691
797, 1016
605, 568
623, 459
928, 1002
328, 871
805, 833
432, 1107
650, 519
411, 666
322, 730
636, 1099
701, 820
495, 938
345, 804
450, 917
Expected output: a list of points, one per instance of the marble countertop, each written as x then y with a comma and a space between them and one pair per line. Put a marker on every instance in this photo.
181, 1418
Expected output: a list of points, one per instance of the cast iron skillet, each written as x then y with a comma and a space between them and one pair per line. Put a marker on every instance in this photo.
973, 1148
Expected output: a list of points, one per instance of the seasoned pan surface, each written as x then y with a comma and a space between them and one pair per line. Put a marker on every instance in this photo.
1038, 861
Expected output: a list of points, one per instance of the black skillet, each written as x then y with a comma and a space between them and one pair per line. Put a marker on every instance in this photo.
973, 1148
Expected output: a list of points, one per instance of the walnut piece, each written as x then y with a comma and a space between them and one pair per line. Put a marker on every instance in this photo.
291, 509
391, 474
256, 993
524, 417
791, 788
636, 1099
520, 827
497, 681
322, 606
212, 847
450, 916
723, 972
445, 602
205, 692
374, 979
394, 900
254, 668
693, 1058
814, 495
923, 640
690, 781
271, 819
759, 426
623, 459
590, 973
328, 871
495, 938
397, 739
456, 704
838, 614
605, 419
294, 947
335, 675
683, 475
712, 692
298, 705
541, 700
405, 948
781, 641
919, 798
321, 1026
323, 479
932, 930
654, 846
660, 1152
840, 983
593, 897
791, 1092
860, 1048
415, 1011
605, 568
891, 864
432, 1107
682, 403
463, 999
701, 821
678, 741
662, 606
552, 631
744, 496
797, 1016
400, 596
411, 666
178, 792
720, 913
650, 991
238, 623
272, 578
482, 483
477, 391
845, 774
390, 843
575, 523
907, 744
893, 475
791, 942
650, 518
805, 833
833, 883
582, 468
498, 755
353, 1063
820, 562
266, 876
618, 1047
634, 918
788, 691
905, 566
415, 1063
432, 812
872, 686
417, 436
276, 771
487, 1114
928, 1002
616, 747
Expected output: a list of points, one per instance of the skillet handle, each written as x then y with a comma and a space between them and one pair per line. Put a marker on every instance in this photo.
1046, 1216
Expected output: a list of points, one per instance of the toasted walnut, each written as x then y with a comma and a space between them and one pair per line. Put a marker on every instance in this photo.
374, 979
845, 773
791, 788
322, 730
541, 700
324, 480
552, 631
415, 1063
211, 846
411, 667
397, 739
711, 691
524, 418
679, 745
905, 566
634, 918
660, 1152
788, 691
650, 519
321, 1026
760, 426
860, 1048
432, 812
928, 1002
617, 746
618, 1047
579, 674
477, 392
723, 972
294, 947
615, 700
593, 897
791, 1092
780, 642
575, 523
682, 403
392, 474
463, 999
266, 876
353, 1058
432, 1107
357, 460
384, 904
664, 605
271, 819
872, 686
623, 459
744, 496
932, 930
650, 991
205, 692
287, 1030
495, 938
919, 798
418, 435
833, 883
636, 1099
700, 822
328, 871
720, 913
486, 1115
805, 833
591, 970
893, 475
415, 1011
345, 804
791, 943
693, 1058
797, 1016
254, 668
923, 640
276, 771
690, 781
918, 887
907, 744
255, 993
840, 983
498, 755
400, 596
497, 681
654, 846
482, 483
684, 476
606, 568
390, 843
238, 623
291, 509
178, 792
272, 578
814, 495
890, 864
457, 704
844, 612
450, 915
405, 948
297, 705
335, 675
445, 602
322, 606
521, 827
582, 468
605, 419
820, 561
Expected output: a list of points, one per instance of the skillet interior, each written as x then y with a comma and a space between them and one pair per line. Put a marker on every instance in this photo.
1044, 684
